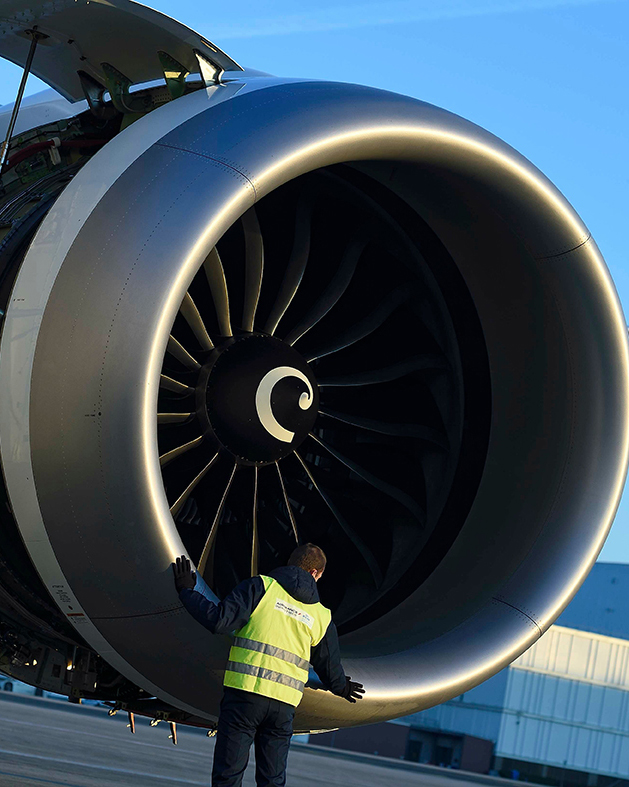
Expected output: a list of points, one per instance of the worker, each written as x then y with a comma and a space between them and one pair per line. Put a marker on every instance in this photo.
279, 627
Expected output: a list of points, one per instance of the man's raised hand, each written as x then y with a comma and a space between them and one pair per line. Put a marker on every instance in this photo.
353, 691
184, 575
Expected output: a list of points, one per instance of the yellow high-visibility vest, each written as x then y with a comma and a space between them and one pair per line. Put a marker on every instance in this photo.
271, 652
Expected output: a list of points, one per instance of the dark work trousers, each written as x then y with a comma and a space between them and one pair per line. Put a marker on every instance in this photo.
247, 718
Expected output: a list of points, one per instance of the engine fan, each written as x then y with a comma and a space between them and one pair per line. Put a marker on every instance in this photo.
365, 417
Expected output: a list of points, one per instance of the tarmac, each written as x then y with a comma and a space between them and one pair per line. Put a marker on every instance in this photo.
51, 742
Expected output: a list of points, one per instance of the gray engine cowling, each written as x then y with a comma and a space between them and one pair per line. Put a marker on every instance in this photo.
449, 418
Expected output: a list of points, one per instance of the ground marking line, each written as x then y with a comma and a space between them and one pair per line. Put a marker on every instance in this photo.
36, 779
131, 741
63, 761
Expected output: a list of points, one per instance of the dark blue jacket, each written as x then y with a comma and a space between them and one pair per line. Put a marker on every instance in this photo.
235, 610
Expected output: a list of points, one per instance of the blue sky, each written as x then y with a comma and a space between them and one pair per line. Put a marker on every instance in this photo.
548, 76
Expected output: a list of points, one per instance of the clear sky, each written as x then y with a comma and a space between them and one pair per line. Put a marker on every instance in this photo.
548, 76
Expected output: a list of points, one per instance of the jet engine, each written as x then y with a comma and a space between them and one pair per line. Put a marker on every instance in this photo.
242, 313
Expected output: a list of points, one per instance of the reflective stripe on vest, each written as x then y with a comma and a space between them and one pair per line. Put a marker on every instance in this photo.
265, 674
270, 652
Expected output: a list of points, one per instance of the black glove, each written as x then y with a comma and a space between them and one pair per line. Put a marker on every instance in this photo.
353, 691
184, 575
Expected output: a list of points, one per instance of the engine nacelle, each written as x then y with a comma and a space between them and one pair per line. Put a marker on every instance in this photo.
277, 311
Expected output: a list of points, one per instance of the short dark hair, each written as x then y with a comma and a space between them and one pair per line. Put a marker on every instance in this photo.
308, 557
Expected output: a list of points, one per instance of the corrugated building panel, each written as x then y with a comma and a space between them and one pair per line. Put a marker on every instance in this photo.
579, 655
490, 693
461, 718
551, 697
561, 722
477, 712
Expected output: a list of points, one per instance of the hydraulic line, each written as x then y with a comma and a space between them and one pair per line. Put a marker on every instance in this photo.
66, 144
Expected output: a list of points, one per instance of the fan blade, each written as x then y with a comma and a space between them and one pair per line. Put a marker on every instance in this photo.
295, 268
176, 506
349, 531
395, 430
364, 327
215, 274
179, 352
394, 372
174, 385
377, 483
255, 542
332, 294
173, 418
209, 543
192, 316
289, 508
181, 449
254, 267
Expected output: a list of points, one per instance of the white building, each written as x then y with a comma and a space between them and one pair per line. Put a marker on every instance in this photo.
560, 713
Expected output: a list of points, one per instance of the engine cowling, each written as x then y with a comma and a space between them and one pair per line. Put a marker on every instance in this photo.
277, 311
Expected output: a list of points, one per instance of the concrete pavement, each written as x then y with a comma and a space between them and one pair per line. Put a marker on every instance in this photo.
45, 742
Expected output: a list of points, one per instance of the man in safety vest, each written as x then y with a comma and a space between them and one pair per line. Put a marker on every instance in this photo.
280, 629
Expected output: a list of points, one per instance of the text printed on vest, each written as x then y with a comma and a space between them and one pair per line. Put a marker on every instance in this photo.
294, 612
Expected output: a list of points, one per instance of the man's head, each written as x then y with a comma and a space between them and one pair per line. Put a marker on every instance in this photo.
309, 557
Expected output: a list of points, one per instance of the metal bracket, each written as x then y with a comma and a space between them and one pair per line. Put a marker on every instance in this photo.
210, 71
174, 73
94, 92
118, 86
